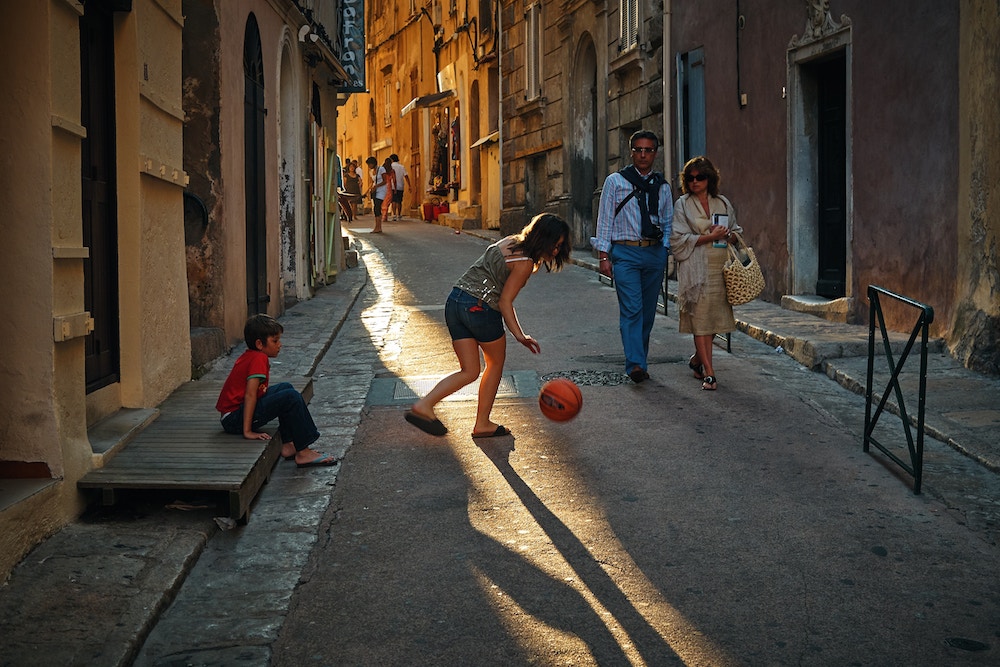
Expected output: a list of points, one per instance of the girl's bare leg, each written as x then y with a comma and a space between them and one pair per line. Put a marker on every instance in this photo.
495, 354
467, 351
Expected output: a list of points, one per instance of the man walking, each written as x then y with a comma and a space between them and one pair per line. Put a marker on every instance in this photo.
633, 231
397, 195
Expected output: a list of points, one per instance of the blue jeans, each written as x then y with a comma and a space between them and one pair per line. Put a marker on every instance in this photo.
283, 401
638, 276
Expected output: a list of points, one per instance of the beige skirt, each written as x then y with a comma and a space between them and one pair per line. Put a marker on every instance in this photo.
711, 314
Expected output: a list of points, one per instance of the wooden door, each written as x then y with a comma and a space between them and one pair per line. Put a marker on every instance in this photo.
832, 178
99, 209
254, 181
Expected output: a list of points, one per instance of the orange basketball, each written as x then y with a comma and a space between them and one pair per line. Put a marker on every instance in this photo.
560, 399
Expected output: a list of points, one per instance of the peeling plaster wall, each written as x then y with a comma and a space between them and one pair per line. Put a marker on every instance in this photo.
202, 162
975, 331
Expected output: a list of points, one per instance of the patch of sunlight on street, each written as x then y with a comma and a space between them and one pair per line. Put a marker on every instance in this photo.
551, 543
385, 322
557, 529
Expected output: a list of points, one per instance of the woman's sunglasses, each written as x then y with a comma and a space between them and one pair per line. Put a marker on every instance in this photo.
695, 177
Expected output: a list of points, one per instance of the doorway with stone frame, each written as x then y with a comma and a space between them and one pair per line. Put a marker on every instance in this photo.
819, 172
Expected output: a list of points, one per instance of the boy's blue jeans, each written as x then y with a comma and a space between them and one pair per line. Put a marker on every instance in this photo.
283, 401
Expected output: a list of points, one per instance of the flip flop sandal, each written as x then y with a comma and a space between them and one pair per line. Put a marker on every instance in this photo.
429, 426
710, 383
501, 430
322, 460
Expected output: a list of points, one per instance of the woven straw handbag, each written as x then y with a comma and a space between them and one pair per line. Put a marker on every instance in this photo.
744, 279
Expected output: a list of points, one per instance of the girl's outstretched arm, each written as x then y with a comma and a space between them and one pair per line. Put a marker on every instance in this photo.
520, 271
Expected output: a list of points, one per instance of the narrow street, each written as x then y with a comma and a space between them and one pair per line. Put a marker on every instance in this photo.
664, 525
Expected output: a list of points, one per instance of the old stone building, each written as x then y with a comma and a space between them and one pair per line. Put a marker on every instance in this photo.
262, 83
93, 194
167, 171
432, 91
853, 138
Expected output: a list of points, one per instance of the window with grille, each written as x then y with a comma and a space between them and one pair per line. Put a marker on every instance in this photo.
533, 51
628, 19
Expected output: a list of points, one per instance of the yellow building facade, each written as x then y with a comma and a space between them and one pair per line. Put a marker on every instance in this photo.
433, 80
93, 196
134, 172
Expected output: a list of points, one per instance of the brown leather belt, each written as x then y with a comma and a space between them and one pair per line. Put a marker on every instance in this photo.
642, 244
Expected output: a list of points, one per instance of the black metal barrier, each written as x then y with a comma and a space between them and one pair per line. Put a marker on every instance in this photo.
916, 450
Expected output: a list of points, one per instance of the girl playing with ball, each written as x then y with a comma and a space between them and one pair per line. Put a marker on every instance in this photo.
481, 302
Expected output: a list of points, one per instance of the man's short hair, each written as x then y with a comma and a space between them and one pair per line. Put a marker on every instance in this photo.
394, 157
260, 327
643, 134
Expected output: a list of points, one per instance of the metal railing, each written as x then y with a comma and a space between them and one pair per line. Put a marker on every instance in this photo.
916, 449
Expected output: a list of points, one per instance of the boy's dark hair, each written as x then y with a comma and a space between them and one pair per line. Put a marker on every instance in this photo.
394, 157
259, 328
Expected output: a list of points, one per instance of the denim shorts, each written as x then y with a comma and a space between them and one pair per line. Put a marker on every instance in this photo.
468, 317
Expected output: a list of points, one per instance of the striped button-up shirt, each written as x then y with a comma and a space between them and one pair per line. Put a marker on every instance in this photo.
627, 225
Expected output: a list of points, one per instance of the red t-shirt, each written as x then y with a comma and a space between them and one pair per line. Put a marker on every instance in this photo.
251, 364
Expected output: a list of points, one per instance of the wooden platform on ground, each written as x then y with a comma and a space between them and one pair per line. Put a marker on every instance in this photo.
186, 449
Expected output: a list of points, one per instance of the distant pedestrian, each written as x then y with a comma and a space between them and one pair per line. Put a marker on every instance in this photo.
401, 176
389, 178
352, 184
481, 302
247, 402
633, 233
700, 244
376, 189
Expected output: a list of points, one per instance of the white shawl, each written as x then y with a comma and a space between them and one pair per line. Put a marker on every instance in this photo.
690, 222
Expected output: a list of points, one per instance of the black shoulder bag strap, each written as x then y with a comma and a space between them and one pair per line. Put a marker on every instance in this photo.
651, 187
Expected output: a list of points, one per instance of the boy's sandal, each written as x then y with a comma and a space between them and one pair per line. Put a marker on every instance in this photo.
709, 384
321, 460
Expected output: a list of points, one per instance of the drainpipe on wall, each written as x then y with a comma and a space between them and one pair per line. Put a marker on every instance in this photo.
668, 59
500, 101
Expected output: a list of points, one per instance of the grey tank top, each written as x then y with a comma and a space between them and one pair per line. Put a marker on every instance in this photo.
486, 277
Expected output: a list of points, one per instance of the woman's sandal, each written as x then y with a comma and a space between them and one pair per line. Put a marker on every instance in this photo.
699, 369
709, 384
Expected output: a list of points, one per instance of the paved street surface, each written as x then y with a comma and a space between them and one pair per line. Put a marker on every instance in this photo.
664, 525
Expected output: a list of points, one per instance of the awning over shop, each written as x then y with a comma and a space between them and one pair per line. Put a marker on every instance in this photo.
489, 138
432, 100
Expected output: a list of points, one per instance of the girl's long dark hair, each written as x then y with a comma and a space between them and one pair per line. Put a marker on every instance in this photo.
540, 236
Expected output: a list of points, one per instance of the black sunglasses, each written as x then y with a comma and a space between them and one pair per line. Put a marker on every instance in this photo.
695, 177
643, 149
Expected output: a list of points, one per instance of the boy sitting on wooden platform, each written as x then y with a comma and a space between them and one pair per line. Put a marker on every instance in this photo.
247, 403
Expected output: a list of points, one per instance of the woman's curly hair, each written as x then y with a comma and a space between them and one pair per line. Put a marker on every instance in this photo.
702, 165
